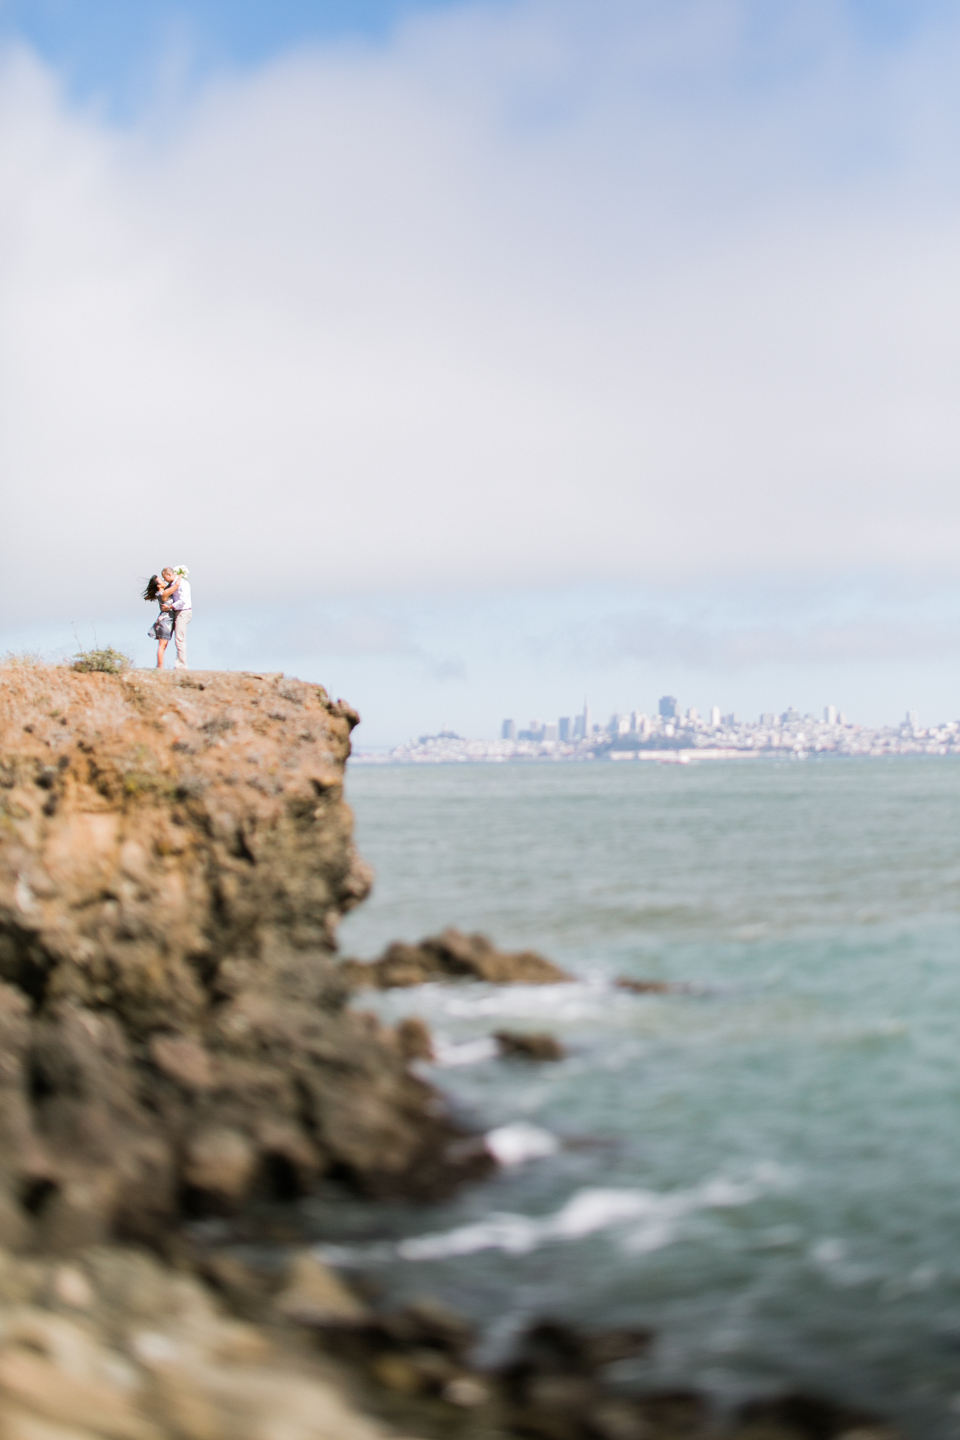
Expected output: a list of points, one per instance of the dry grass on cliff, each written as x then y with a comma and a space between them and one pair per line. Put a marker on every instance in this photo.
105, 661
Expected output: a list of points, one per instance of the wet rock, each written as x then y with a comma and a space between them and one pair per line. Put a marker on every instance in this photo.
452, 956
467, 1392
314, 1295
246, 1289
804, 1417
618, 1420
397, 1373
551, 1348
554, 1385
175, 855
528, 1045
420, 1350
431, 1323
647, 987
414, 1039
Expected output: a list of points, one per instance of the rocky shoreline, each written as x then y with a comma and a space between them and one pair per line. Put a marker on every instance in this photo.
177, 1042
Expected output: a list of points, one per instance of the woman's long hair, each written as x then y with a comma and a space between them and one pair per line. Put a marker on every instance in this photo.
153, 588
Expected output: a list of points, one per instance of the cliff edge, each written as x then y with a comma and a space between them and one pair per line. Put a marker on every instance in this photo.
176, 855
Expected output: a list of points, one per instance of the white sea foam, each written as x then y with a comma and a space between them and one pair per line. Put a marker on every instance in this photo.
582, 999
519, 1141
467, 1052
649, 1220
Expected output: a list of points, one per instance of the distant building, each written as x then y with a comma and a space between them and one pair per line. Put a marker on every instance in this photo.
729, 720
715, 716
582, 728
791, 716
693, 715
668, 707
619, 725
829, 714
550, 731
564, 729
768, 719
508, 730
913, 719
534, 731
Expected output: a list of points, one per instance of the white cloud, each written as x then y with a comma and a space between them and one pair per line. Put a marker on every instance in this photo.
522, 297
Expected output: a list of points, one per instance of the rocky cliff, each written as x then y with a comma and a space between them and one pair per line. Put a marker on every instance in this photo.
176, 855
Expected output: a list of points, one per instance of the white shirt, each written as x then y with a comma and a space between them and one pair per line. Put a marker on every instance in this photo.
181, 600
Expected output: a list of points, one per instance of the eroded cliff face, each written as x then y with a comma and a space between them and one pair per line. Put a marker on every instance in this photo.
175, 855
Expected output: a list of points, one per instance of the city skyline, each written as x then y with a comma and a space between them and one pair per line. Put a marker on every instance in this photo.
668, 713
675, 734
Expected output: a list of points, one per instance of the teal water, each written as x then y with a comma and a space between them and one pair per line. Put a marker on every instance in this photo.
766, 1171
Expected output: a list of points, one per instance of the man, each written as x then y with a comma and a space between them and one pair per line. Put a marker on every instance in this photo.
177, 589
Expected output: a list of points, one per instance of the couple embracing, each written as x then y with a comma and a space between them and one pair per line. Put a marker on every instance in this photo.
172, 589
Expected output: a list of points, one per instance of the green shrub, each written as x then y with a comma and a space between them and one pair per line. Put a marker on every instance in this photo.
108, 661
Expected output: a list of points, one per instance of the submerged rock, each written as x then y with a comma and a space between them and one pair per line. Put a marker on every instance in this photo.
452, 956
806, 1417
175, 856
528, 1045
651, 987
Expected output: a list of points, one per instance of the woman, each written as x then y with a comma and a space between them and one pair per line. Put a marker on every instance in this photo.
162, 628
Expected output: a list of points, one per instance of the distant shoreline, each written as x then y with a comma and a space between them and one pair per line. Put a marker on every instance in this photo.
663, 757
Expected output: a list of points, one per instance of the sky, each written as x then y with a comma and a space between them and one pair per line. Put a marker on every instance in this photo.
481, 357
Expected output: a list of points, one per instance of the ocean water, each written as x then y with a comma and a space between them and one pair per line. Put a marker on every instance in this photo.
766, 1170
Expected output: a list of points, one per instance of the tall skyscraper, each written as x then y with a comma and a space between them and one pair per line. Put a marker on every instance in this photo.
668, 707
508, 730
563, 729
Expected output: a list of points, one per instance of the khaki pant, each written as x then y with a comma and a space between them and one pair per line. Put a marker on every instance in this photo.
180, 637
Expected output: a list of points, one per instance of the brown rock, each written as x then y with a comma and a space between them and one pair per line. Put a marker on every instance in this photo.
648, 987
618, 1420
810, 1418
396, 1372
50, 1391
314, 1295
72, 1288
182, 1060
414, 1039
467, 1392
531, 1045
245, 1289
453, 956
219, 1164
175, 856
